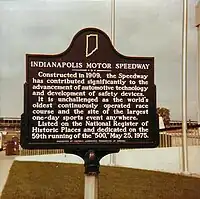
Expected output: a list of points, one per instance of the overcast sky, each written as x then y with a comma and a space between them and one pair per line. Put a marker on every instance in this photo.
143, 28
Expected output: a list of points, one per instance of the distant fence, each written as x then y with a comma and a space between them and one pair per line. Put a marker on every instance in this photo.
174, 139
25, 152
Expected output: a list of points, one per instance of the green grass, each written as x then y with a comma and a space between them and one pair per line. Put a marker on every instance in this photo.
34, 180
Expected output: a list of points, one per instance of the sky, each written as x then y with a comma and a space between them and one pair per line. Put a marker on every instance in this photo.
143, 28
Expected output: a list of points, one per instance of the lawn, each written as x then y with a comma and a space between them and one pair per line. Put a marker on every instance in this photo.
34, 180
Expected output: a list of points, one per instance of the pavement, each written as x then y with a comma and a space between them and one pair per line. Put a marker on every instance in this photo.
5, 165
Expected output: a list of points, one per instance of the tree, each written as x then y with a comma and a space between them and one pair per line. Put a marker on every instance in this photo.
165, 114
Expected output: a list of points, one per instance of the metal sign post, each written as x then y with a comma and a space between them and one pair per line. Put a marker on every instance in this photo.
91, 186
92, 164
91, 159
91, 175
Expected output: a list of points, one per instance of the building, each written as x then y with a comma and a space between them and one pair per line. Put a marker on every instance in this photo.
176, 123
10, 124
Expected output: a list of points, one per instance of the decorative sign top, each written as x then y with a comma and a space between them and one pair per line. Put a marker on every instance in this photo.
89, 96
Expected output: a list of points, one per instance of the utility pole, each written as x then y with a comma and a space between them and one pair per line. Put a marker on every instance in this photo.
184, 87
113, 155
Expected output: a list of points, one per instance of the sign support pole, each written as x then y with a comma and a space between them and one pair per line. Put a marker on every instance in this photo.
91, 186
113, 156
91, 175
92, 164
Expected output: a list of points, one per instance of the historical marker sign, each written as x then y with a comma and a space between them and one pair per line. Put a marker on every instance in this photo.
89, 96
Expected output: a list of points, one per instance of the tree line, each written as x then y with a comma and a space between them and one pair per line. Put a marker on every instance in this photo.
165, 114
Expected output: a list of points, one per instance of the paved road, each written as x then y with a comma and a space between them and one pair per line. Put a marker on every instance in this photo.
5, 165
